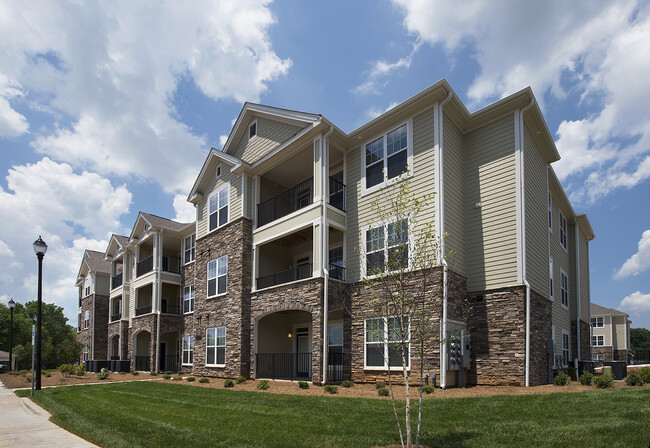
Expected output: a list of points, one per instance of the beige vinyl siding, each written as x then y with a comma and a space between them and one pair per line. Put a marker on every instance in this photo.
491, 248
573, 278
585, 293
249, 200
561, 316
454, 179
270, 135
604, 331
234, 207
536, 200
359, 209
102, 284
619, 333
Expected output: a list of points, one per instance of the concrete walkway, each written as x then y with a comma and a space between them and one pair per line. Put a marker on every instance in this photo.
24, 424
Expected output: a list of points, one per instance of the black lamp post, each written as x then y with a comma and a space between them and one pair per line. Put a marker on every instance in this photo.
40, 248
11, 304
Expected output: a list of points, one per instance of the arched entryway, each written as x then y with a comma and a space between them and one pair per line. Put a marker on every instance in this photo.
142, 351
283, 346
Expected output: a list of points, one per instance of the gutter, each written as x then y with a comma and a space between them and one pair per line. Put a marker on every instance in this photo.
92, 333
324, 148
577, 249
441, 222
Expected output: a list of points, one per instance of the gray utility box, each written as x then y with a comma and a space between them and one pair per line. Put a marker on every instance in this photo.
459, 350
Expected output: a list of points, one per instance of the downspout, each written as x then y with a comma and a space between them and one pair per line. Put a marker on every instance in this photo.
324, 259
158, 294
92, 333
577, 249
441, 221
523, 235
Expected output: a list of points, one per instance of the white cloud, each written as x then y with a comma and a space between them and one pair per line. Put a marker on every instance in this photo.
12, 123
374, 112
72, 211
377, 76
639, 262
112, 69
636, 303
595, 50
222, 140
185, 211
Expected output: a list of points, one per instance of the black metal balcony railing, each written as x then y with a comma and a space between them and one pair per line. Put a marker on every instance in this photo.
116, 281
144, 266
337, 272
336, 367
168, 309
283, 366
143, 310
142, 363
337, 194
171, 264
115, 317
290, 275
171, 363
282, 204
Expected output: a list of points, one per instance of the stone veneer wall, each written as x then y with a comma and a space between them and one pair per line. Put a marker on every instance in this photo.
541, 331
606, 350
146, 322
84, 336
101, 327
231, 310
304, 295
620, 355
585, 341
361, 309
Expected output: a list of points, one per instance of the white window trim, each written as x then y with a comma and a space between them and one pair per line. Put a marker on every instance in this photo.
185, 249
217, 277
568, 360
86, 319
215, 346
248, 130
566, 232
551, 268
193, 299
562, 273
597, 336
409, 158
602, 322
190, 350
386, 344
218, 171
364, 254
216, 193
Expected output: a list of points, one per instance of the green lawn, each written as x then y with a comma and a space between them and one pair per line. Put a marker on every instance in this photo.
151, 414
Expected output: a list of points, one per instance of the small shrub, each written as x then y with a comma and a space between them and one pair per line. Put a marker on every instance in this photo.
347, 383
177, 378
48, 374
586, 378
180, 372
428, 389
303, 384
152, 373
24, 372
79, 370
383, 392
228, 383
561, 379
330, 389
190, 379
633, 378
103, 374
169, 372
263, 385
135, 372
380, 385
645, 374
240, 379
166, 377
122, 373
571, 371
204, 380
603, 381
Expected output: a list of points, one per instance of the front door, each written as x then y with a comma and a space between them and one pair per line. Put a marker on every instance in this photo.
304, 360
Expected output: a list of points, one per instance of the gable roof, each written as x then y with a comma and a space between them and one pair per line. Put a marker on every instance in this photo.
164, 223
96, 262
597, 310
116, 243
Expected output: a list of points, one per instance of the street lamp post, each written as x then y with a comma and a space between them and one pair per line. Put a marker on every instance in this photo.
11, 304
40, 248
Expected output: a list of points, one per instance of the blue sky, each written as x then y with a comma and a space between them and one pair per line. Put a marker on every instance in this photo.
108, 109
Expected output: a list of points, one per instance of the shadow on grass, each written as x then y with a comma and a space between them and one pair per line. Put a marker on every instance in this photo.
450, 439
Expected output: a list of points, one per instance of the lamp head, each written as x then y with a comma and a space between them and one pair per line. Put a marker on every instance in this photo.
11, 303
39, 246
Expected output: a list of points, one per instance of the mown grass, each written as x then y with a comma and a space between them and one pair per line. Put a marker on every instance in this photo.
154, 414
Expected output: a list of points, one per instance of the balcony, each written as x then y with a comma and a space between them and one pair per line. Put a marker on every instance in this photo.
115, 317
283, 366
167, 309
337, 194
116, 281
169, 264
144, 266
286, 202
336, 272
290, 275
143, 310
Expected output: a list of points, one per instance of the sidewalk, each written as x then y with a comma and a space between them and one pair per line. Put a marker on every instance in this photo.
24, 424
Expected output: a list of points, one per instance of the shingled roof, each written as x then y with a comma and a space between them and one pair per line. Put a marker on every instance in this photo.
122, 240
164, 223
597, 310
96, 261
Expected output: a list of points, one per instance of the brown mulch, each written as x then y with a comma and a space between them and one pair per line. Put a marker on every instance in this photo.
289, 387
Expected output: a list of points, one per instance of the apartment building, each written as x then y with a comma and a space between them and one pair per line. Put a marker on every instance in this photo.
610, 334
285, 234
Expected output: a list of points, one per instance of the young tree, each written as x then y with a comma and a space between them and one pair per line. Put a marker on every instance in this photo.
401, 295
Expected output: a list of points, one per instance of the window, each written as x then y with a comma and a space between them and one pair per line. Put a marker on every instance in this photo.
598, 357
190, 248
86, 319
188, 349
597, 322
383, 339
550, 214
252, 130
598, 340
550, 278
335, 338
565, 348
564, 288
387, 248
87, 283
563, 231
218, 215
387, 157
188, 299
215, 341
85, 352
217, 273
